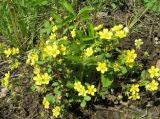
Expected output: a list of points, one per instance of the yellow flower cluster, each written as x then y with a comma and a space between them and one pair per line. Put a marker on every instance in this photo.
118, 31
152, 86
105, 34
154, 72
53, 34
130, 57
45, 103
5, 80
42, 79
50, 50
102, 67
82, 91
88, 52
32, 58
11, 51
56, 111
134, 92
80, 88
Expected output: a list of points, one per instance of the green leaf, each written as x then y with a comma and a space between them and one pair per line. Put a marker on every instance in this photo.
67, 20
83, 103
88, 38
85, 10
51, 99
70, 85
55, 84
47, 28
91, 30
106, 80
57, 91
124, 70
41, 62
143, 75
87, 98
57, 17
68, 7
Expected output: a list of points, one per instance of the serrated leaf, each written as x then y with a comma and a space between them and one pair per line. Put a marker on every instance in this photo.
124, 70
106, 80
70, 85
51, 99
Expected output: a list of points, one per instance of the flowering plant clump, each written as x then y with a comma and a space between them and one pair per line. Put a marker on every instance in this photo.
76, 64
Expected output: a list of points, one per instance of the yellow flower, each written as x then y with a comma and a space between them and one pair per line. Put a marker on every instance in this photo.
42, 79
152, 86
134, 89
154, 72
117, 28
134, 96
52, 36
54, 28
82, 91
130, 57
11, 51
15, 51
102, 67
77, 85
73, 33
56, 111
46, 78
36, 70
64, 38
5, 80
38, 79
51, 50
120, 34
138, 43
99, 27
105, 34
91, 90
8, 52
45, 103
80, 88
126, 30
32, 58
88, 52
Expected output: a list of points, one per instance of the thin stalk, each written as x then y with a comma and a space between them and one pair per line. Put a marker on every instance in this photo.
137, 18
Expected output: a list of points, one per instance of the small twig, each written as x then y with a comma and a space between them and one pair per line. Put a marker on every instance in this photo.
4, 62
145, 115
